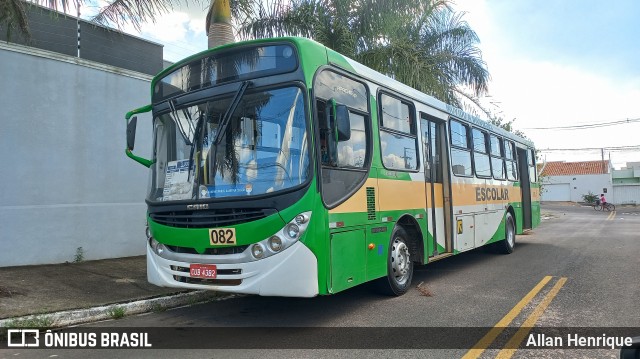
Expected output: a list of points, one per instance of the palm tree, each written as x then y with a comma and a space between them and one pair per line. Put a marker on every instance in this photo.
422, 43
13, 15
437, 47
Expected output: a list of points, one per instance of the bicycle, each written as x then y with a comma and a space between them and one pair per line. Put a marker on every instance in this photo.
607, 206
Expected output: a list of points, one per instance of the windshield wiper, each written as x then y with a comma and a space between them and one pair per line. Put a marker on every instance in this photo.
176, 119
196, 139
232, 108
224, 122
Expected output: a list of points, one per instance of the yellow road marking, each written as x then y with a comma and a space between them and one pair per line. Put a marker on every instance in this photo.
484, 343
525, 328
612, 215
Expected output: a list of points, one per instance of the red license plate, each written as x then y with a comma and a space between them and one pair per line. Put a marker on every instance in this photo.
203, 270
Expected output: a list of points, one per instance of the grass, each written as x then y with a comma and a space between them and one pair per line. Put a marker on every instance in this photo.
116, 312
79, 257
33, 322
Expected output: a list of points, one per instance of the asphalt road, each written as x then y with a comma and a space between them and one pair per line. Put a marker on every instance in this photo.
585, 265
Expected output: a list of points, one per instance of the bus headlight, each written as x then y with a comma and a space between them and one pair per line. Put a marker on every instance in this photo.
275, 243
257, 250
292, 230
301, 219
282, 239
157, 247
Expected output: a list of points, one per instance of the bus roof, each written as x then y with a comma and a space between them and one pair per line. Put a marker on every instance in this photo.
353, 66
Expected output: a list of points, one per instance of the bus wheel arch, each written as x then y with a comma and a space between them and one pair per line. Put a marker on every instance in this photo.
415, 238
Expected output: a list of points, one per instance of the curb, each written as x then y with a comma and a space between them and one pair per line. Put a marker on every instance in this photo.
88, 315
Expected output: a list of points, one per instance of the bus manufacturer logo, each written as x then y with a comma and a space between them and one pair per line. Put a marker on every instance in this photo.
198, 206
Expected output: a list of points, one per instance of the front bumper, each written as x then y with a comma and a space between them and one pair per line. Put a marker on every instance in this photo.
291, 273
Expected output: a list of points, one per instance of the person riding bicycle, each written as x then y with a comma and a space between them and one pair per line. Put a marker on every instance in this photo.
603, 201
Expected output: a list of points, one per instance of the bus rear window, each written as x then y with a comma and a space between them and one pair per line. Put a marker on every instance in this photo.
215, 69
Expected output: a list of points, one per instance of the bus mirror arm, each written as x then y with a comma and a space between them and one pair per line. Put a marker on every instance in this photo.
132, 122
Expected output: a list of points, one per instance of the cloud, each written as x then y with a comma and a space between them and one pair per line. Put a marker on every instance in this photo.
541, 90
168, 27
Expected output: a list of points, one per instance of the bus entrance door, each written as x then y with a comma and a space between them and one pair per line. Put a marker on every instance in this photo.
438, 204
525, 187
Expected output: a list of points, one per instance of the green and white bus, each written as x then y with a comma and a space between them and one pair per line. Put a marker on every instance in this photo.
282, 168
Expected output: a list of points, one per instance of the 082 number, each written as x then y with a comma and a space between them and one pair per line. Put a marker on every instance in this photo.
222, 236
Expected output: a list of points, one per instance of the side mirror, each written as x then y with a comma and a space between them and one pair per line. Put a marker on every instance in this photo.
131, 132
132, 122
343, 124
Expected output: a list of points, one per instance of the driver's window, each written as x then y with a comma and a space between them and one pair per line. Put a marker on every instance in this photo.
353, 154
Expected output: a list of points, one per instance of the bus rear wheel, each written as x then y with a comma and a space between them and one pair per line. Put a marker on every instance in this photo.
399, 266
506, 245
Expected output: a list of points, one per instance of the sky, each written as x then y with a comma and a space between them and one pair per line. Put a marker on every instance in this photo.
552, 64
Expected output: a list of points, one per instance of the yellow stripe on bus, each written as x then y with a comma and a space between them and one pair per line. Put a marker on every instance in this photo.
398, 195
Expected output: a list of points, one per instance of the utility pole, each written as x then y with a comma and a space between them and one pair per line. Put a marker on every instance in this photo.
603, 165
78, 25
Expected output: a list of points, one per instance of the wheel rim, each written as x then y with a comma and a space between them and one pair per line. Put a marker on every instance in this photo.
511, 237
400, 262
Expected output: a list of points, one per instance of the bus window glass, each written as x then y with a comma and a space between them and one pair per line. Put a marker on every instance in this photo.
497, 166
435, 151
512, 170
508, 150
352, 153
495, 146
479, 141
396, 115
353, 94
481, 160
397, 135
459, 134
398, 152
532, 166
461, 162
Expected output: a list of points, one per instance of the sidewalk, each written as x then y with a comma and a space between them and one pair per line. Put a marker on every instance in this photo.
59, 287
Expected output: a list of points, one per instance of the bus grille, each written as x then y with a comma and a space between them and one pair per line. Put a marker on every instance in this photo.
222, 251
207, 218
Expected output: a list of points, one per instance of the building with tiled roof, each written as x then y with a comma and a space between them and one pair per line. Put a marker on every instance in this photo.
562, 168
569, 181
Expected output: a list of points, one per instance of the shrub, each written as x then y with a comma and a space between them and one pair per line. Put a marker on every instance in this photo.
590, 197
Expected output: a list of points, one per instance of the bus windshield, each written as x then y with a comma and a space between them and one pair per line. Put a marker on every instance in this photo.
263, 149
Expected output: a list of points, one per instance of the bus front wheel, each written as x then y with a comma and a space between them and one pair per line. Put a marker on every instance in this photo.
399, 266
506, 245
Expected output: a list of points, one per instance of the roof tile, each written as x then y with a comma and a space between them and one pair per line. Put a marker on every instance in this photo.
562, 168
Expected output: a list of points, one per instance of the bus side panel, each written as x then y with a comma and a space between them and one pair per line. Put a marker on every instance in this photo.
518, 211
535, 204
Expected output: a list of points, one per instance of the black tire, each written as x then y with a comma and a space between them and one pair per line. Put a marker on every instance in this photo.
597, 207
506, 245
610, 207
399, 266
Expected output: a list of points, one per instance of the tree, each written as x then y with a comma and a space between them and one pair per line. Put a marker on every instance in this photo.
421, 43
436, 46
13, 16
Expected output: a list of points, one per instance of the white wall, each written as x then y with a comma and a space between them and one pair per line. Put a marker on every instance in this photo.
578, 185
626, 194
66, 182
